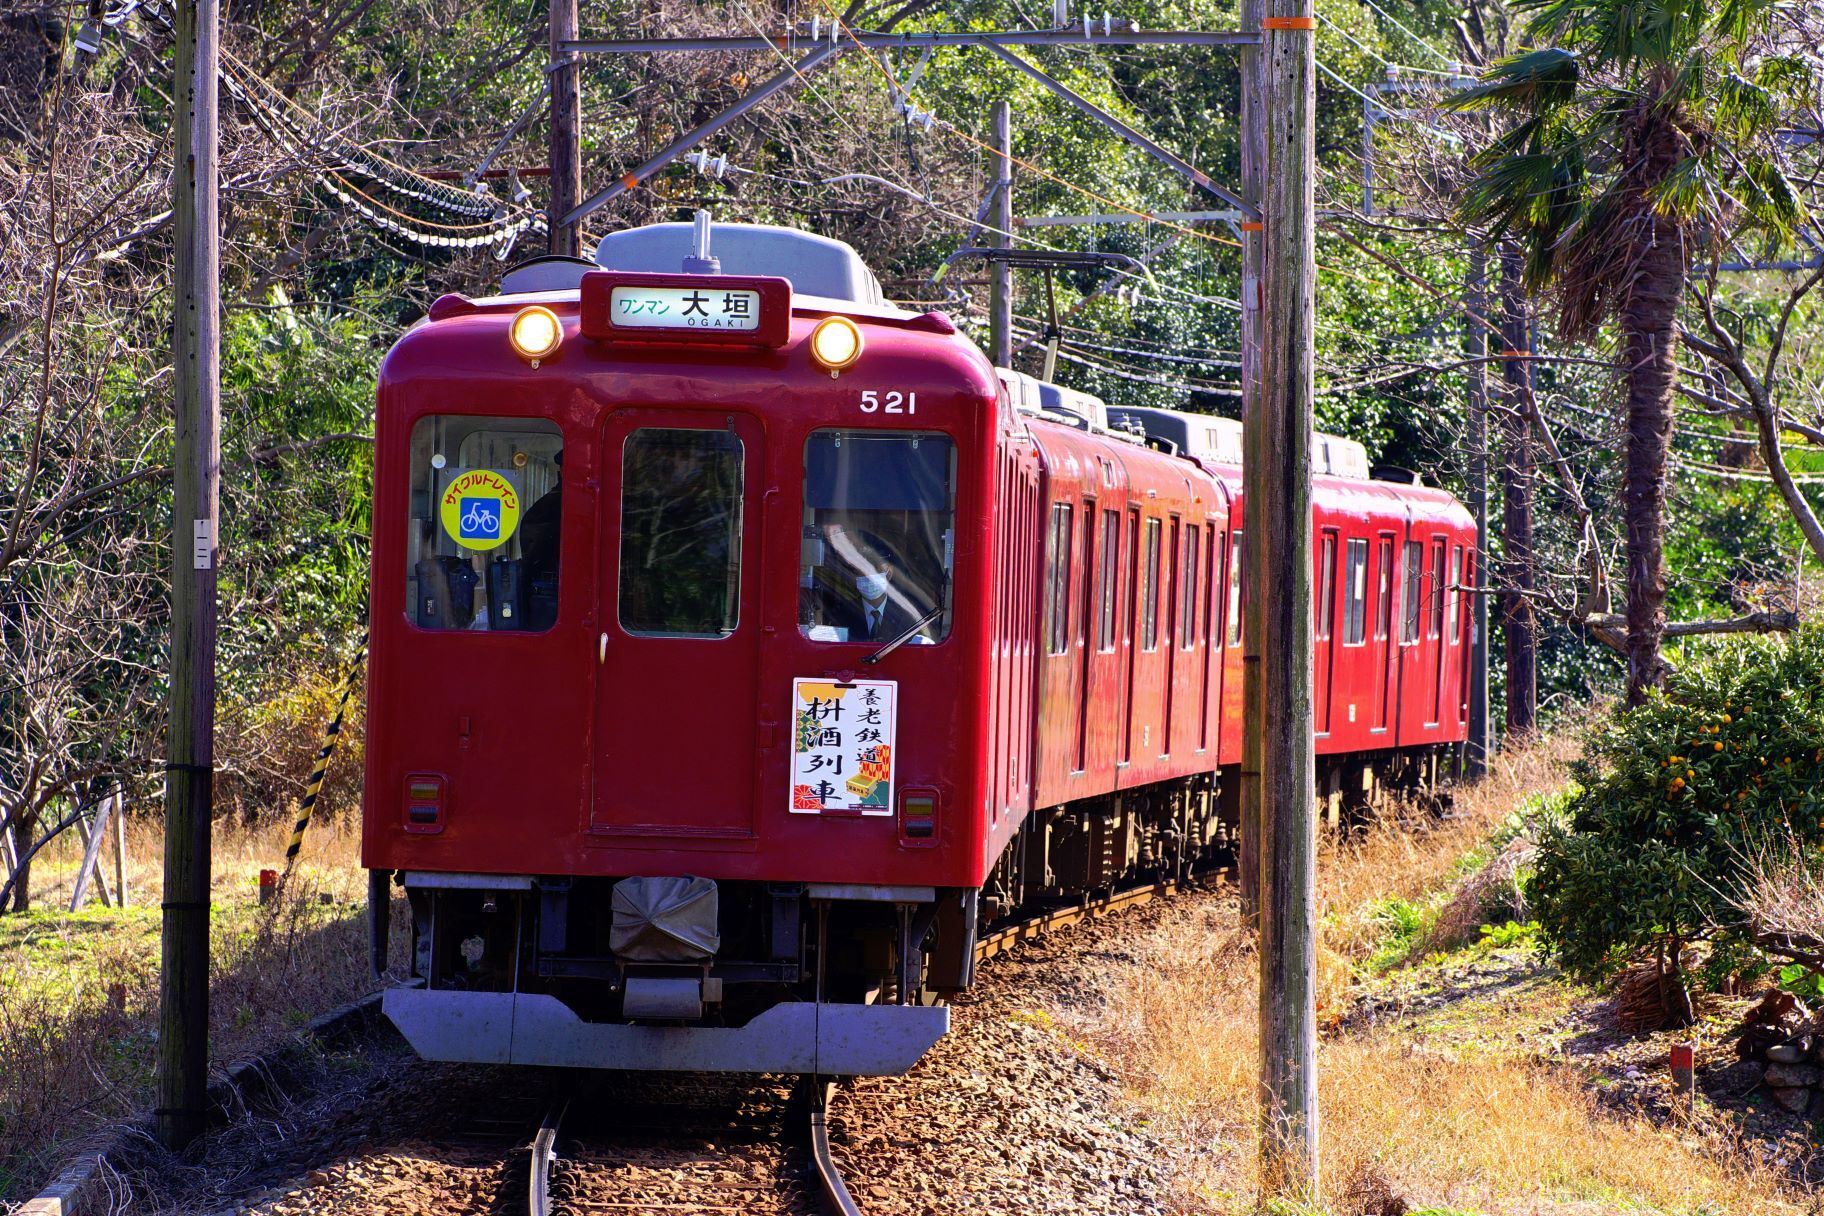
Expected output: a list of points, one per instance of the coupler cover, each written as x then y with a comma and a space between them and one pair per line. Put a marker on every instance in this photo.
664, 920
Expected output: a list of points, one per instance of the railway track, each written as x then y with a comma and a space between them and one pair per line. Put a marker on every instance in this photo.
661, 1156
670, 1144
713, 1148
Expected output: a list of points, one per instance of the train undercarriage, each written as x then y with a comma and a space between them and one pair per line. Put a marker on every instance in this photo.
832, 979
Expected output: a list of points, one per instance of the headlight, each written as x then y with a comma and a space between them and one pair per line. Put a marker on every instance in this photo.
835, 344
535, 332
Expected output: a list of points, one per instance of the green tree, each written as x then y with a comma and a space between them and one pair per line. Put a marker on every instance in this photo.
1641, 133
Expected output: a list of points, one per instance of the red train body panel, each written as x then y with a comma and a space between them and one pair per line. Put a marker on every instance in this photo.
548, 726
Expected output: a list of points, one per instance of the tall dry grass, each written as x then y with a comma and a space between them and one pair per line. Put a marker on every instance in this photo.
1487, 1129
79, 992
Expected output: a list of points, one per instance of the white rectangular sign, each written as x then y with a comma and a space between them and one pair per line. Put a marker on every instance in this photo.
842, 746
705, 307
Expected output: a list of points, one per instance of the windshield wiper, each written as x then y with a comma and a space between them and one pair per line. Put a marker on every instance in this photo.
907, 636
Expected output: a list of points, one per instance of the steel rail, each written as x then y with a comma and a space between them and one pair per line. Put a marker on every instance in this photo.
835, 1194
999, 941
544, 1156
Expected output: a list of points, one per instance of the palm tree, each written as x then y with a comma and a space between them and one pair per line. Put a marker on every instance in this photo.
1639, 137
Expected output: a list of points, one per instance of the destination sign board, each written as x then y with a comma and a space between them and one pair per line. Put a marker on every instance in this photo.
640, 306
705, 307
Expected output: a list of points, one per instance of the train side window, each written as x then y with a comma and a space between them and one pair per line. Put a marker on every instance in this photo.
1383, 611
1326, 586
1187, 612
877, 540
1355, 589
1212, 607
681, 496
1415, 575
482, 548
1237, 552
1435, 625
1149, 593
1453, 628
1057, 580
1111, 577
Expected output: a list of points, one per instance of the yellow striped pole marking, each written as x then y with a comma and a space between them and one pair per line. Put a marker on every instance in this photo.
321, 766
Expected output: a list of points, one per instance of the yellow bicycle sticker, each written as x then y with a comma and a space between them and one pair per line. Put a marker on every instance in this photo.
480, 509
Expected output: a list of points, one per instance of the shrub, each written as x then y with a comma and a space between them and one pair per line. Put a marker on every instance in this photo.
1676, 795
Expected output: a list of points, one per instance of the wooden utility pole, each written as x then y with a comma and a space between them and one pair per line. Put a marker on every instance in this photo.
1475, 349
1277, 508
566, 151
1520, 623
183, 1027
1253, 167
1000, 274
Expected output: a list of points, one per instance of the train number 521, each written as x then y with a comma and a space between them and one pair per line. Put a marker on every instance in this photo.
888, 403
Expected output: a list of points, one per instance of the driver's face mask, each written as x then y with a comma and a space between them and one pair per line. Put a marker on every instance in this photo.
871, 586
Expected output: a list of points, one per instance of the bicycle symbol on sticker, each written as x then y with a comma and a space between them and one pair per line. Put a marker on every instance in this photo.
480, 520
480, 508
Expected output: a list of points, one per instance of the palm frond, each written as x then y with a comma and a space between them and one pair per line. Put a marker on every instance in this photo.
1737, 20
1686, 191
1743, 108
1770, 197
1787, 76
1536, 82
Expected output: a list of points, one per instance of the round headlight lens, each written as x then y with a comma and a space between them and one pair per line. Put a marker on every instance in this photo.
836, 343
535, 332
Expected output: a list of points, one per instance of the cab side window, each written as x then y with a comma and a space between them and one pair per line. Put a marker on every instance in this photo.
482, 549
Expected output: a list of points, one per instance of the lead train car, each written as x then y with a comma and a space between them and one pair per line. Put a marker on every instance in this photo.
742, 646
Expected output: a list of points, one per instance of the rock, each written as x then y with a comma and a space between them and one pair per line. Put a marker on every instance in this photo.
1790, 1053
1756, 1038
1794, 1100
1793, 1075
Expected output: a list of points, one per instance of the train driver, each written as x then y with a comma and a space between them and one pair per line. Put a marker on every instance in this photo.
872, 606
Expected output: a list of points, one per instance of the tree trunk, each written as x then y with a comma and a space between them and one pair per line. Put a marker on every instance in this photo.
1520, 624
22, 882
1649, 321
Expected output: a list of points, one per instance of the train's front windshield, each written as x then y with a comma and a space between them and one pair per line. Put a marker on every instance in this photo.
878, 537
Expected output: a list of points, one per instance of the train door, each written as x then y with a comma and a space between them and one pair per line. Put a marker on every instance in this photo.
1232, 675
1130, 605
1323, 627
1434, 630
1381, 656
678, 649
1167, 610
1210, 702
1411, 694
1086, 640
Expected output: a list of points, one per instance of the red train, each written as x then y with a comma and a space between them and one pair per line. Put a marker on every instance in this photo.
743, 646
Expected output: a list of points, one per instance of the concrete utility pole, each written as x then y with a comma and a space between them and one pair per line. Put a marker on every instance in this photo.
1000, 274
1475, 349
1520, 623
1253, 167
183, 1025
1277, 472
566, 151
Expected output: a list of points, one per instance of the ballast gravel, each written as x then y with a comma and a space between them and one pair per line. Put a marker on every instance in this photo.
1009, 1115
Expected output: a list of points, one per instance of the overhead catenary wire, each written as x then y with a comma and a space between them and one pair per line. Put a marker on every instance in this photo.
1377, 56
1423, 45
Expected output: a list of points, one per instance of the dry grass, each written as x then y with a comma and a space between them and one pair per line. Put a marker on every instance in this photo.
79, 992
1470, 1125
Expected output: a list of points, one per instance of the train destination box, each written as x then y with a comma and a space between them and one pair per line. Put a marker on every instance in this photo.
739, 310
